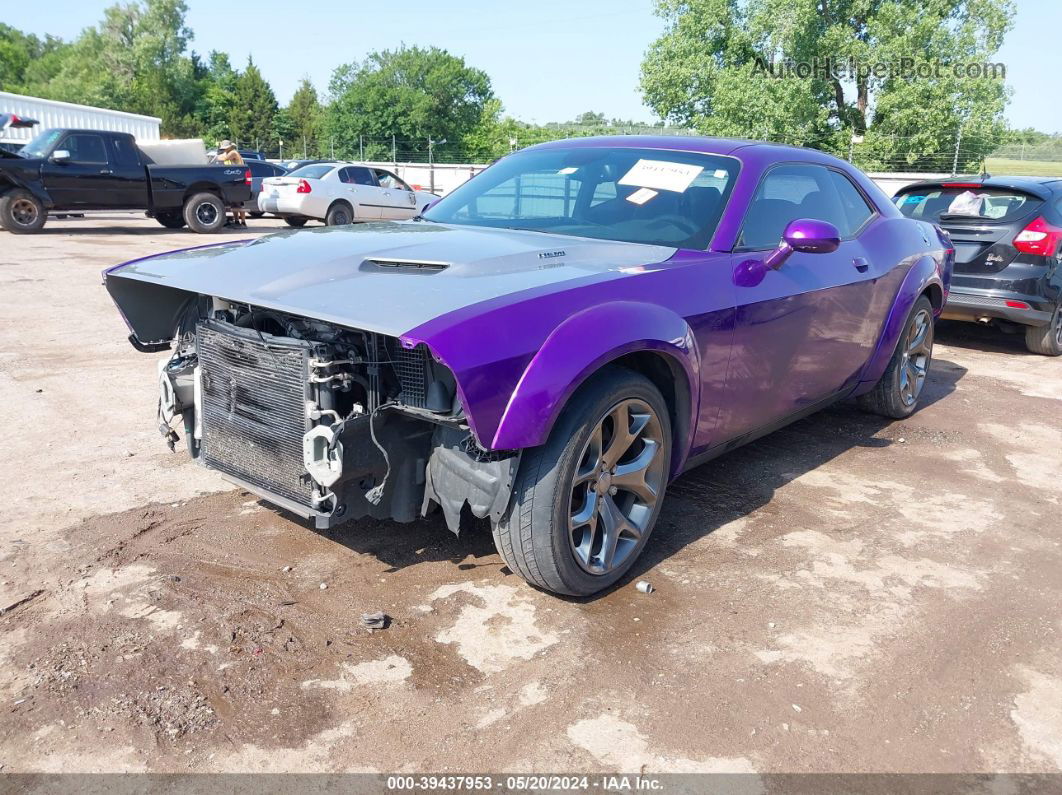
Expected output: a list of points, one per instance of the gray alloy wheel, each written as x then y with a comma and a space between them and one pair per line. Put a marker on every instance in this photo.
615, 488
1046, 340
584, 503
917, 352
21, 212
897, 392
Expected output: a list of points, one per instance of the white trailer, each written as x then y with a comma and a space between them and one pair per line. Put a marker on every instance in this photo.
52, 113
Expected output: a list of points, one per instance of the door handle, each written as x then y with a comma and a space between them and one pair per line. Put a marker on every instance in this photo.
861, 264
106, 171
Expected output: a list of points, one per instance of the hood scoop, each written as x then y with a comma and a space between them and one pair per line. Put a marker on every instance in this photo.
403, 265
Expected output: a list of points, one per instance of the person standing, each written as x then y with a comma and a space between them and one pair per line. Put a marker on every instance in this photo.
228, 156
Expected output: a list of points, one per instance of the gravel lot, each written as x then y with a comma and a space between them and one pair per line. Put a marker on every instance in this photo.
847, 594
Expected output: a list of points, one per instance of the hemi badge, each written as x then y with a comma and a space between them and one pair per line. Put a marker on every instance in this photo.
550, 254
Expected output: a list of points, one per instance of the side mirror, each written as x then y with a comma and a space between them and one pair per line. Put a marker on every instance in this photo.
428, 206
806, 235
60, 156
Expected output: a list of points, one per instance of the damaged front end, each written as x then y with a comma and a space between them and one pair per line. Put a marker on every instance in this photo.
328, 422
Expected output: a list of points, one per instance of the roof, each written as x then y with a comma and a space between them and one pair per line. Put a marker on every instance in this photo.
696, 143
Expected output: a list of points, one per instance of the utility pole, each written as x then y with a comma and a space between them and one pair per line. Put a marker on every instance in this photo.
955, 160
304, 147
431, 166
361, 148
394, 151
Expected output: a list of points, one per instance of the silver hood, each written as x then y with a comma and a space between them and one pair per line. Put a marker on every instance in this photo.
386, 277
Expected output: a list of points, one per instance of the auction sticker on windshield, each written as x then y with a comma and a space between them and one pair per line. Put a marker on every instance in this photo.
661, 175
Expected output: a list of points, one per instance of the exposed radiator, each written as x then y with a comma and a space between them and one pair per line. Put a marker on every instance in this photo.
254, 407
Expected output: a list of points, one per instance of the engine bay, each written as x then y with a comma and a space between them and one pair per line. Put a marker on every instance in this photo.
328, 422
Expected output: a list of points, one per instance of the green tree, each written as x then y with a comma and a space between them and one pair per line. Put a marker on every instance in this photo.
27, 60
732, 67
219, 97
300, 121
410, 93
253, 110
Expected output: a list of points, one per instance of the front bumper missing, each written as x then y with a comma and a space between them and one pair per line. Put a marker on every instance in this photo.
321, 521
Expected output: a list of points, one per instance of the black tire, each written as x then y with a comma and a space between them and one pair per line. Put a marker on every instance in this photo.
891, 396
172, 220
21, 213
339, 214
204, 213
256, 215
297, 221
1046, 340
535, 536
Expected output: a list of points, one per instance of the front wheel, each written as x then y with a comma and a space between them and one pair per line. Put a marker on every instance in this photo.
21, 212
1046, 340
204, 213
896, 394
585, 502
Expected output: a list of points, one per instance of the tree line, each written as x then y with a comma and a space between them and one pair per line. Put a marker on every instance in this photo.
706, 74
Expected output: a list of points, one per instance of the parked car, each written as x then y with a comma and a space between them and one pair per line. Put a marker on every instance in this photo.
1008, 247
251, 154
291, 165
74, 170
550, 343
260, 170
340, 193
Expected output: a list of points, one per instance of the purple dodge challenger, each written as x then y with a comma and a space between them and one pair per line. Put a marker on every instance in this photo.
550, 344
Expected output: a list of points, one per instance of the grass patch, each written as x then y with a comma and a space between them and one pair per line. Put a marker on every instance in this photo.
1004, 166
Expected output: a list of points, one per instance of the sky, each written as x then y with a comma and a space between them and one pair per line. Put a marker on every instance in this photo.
548, 60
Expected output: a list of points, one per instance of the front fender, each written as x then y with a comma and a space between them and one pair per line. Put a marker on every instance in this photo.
27, 179
926, 273
580, 346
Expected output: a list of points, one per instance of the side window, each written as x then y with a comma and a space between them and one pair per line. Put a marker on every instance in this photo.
389, 180
357, 175
787, 193
85, 148
124, 153
856, 210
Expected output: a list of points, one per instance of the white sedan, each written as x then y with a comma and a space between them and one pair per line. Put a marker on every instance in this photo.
340, 193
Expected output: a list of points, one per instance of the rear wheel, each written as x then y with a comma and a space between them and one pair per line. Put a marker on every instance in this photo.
172, 220
585, 502
204, 213
1046, 340
297, 221
339, 214
21, 212
896, 394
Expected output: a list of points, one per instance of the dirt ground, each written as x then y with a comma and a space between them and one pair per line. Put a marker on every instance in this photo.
847, 594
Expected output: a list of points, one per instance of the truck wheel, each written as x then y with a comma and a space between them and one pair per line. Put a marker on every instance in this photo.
21, 212
896, 394
1046, 340
297, 221
172, 220
339, 214
585, 502
256, 215
204, 213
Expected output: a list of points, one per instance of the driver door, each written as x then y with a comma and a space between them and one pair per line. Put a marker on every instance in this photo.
87, 179
398, 198
802, 332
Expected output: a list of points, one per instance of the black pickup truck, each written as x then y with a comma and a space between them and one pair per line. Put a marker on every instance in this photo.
71, 170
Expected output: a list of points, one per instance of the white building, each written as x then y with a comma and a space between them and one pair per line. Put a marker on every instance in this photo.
51, 113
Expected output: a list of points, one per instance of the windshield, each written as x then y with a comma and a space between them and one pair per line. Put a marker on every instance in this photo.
41, 144
310, 172
634, 195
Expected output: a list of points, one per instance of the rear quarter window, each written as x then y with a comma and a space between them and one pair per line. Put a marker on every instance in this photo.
986, 204
311, 172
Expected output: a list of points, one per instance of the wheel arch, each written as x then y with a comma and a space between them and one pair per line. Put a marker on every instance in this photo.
201, 187
341, 200
643, 337
925, 277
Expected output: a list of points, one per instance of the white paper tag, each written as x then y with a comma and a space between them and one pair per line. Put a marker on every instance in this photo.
642, 195
568, 170
661, 175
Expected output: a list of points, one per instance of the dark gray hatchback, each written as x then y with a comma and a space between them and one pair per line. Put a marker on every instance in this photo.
1007, 233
